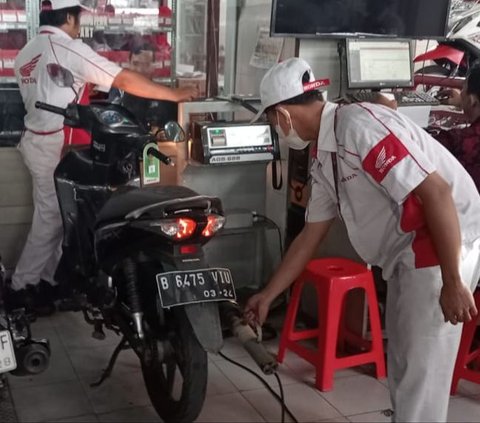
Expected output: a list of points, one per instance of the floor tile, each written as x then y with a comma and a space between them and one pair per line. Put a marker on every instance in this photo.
464, 409
134, 414
59, 370
218, 383
95, 359
117, 392
467, 389
50, 402
228, 408
74, 332
245, 381
375, 417
304, 403
232, 348
358, 394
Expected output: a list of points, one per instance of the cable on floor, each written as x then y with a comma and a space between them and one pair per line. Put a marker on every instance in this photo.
280, 398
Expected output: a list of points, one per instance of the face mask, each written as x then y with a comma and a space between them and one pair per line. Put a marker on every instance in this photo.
293, 140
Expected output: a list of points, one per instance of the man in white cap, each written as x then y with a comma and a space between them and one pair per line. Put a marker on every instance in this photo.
409, 207
43, 139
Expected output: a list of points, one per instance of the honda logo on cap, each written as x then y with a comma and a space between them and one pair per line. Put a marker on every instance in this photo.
316, 84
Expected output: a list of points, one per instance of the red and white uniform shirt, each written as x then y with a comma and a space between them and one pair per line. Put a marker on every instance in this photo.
382, 156
52, 45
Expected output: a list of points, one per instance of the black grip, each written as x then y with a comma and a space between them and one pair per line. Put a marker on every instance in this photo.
160, 156
50, 108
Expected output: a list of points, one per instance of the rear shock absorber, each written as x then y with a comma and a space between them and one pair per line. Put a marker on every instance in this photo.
133, 296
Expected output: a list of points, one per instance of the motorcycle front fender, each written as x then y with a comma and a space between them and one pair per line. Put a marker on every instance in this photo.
205, 321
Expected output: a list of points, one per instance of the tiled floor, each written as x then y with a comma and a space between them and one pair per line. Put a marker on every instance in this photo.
63, 392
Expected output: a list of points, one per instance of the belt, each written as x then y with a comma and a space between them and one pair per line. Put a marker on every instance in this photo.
44, 132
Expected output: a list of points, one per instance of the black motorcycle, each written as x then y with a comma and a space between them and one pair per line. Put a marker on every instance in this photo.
134, 258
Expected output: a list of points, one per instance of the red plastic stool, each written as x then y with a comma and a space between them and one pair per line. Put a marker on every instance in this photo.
465, 356
333, 278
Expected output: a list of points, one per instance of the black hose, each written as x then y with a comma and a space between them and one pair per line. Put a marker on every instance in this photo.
279, 398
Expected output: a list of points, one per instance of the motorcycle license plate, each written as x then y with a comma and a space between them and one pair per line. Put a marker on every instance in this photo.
7, 355
195, 286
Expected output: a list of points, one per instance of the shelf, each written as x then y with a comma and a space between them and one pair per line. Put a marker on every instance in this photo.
128, 28
7, 26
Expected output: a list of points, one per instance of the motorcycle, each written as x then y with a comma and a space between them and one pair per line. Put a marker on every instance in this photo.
453, 57
134, 254
20, 353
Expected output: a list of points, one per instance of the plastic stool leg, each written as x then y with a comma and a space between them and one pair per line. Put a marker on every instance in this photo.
329, 322
290, 319
376, 329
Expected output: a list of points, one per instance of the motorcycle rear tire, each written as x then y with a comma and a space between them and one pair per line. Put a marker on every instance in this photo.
191, 359
433, 70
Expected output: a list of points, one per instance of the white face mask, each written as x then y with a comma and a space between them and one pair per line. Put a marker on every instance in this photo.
293, 140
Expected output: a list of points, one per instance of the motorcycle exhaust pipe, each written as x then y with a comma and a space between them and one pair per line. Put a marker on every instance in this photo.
244, 333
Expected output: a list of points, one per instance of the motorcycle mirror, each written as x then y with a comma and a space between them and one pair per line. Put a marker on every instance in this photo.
174, 132
59, 75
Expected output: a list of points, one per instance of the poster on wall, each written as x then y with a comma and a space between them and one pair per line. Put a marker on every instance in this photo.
267, 49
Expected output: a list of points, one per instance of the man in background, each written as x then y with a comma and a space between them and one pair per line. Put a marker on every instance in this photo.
464, 143
43, 138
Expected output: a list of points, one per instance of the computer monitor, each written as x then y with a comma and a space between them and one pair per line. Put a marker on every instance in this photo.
379, 63
413, 19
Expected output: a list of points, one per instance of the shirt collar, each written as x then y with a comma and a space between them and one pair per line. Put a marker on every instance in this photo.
326, 136
53, 30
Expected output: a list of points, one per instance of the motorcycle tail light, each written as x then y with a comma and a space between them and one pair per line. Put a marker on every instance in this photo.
214, 223
180, 228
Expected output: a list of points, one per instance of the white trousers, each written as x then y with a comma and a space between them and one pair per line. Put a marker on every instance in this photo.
422, 348
42, 250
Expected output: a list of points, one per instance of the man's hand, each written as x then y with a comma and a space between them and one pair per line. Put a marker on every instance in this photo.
257, 308
457, 303
450, 96
186, 94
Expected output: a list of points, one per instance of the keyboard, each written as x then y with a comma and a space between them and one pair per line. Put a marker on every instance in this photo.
404, 98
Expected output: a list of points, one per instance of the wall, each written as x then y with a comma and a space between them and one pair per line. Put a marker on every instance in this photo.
15, 205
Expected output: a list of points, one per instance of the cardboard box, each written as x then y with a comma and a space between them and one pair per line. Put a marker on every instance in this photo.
200, 82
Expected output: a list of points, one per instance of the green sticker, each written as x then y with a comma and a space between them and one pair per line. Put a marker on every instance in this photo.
151, 166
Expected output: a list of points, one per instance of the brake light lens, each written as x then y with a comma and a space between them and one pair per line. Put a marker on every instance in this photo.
214, 224
177, 228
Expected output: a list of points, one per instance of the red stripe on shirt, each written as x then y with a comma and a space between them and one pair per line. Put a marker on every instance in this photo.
413, 220
384, 156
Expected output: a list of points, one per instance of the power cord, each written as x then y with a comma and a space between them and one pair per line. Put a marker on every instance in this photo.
267, 219
280, 398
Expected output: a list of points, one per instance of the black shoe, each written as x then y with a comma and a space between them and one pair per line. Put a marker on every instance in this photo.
22, 298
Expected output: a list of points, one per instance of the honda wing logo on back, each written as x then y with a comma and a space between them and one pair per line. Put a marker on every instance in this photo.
382, 162
27, 69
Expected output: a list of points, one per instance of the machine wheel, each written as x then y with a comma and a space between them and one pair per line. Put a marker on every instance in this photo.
177, 385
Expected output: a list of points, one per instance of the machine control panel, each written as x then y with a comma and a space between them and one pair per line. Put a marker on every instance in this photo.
233, 142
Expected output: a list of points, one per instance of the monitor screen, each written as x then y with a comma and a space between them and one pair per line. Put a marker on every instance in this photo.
418, 19
379, 63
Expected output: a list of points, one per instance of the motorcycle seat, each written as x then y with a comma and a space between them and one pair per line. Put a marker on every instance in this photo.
130, 201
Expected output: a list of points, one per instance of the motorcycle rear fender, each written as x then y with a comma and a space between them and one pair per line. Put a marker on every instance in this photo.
205, 321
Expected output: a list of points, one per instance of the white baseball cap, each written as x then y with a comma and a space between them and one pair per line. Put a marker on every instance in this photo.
61, 4
283, 81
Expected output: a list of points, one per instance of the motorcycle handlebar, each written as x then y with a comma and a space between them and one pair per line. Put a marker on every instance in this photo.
160, 156
50, 108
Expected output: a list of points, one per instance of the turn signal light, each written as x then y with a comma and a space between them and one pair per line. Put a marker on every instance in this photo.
214, 223
177, 228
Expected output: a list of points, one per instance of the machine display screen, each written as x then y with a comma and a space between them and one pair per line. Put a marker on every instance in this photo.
240, 136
